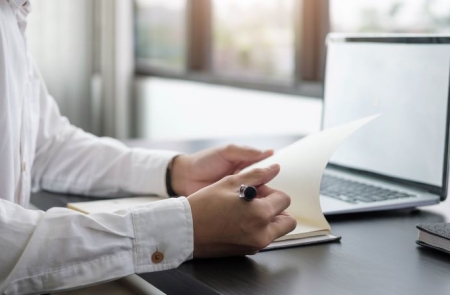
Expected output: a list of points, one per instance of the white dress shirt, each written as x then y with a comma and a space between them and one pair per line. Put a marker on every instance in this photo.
60, 248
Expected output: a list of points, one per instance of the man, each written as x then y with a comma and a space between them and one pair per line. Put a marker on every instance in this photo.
60, 248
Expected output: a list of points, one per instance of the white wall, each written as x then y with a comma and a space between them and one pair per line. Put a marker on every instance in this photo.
168, 109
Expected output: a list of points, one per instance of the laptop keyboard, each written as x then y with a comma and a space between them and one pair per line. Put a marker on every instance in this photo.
357, 192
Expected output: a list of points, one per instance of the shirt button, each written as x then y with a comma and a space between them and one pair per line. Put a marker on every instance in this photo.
157, 257
24, 167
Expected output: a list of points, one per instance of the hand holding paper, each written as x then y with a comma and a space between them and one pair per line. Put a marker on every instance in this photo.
302, 165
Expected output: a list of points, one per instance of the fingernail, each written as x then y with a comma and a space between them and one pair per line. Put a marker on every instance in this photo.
274, 166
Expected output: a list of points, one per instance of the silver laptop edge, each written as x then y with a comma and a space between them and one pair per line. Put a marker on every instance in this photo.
425, 194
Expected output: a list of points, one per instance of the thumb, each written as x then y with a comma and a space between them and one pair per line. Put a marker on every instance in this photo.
259, 176
234, 153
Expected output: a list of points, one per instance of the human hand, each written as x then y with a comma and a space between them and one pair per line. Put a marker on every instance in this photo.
226, 225
190, 173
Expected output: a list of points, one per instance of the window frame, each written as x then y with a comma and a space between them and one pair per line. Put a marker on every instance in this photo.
311, 25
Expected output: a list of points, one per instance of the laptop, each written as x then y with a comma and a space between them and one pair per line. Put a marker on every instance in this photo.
400, 160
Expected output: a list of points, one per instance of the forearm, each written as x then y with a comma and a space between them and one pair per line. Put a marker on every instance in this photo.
70, 160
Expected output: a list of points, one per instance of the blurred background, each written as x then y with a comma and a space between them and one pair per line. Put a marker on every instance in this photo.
187, 69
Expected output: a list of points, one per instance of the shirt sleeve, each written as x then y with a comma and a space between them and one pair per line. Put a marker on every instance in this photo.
69, 160
62, 249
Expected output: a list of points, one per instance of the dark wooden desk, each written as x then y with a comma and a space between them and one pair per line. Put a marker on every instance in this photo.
377, 255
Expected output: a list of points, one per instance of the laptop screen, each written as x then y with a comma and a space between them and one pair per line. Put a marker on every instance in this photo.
408, 84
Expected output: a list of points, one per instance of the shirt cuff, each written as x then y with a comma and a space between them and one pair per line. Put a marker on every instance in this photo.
164, 235
148, 171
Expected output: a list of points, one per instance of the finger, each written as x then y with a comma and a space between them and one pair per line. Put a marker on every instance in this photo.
234, 153
277, 202
259, 176
264, 191
242, 165
281, 225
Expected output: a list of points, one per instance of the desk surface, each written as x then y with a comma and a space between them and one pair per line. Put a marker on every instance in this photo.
377, 255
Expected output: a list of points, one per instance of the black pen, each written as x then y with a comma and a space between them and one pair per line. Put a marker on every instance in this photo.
247, 193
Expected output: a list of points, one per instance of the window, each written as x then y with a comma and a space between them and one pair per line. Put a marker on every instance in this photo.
160, 34
254, 39
390, 16
274, 45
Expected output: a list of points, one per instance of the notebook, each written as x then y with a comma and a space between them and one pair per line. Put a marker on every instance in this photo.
401, 160
435, 236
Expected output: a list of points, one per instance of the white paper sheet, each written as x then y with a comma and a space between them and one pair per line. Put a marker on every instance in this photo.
302, 165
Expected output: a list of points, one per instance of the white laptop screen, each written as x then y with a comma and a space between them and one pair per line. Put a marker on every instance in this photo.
409, 85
